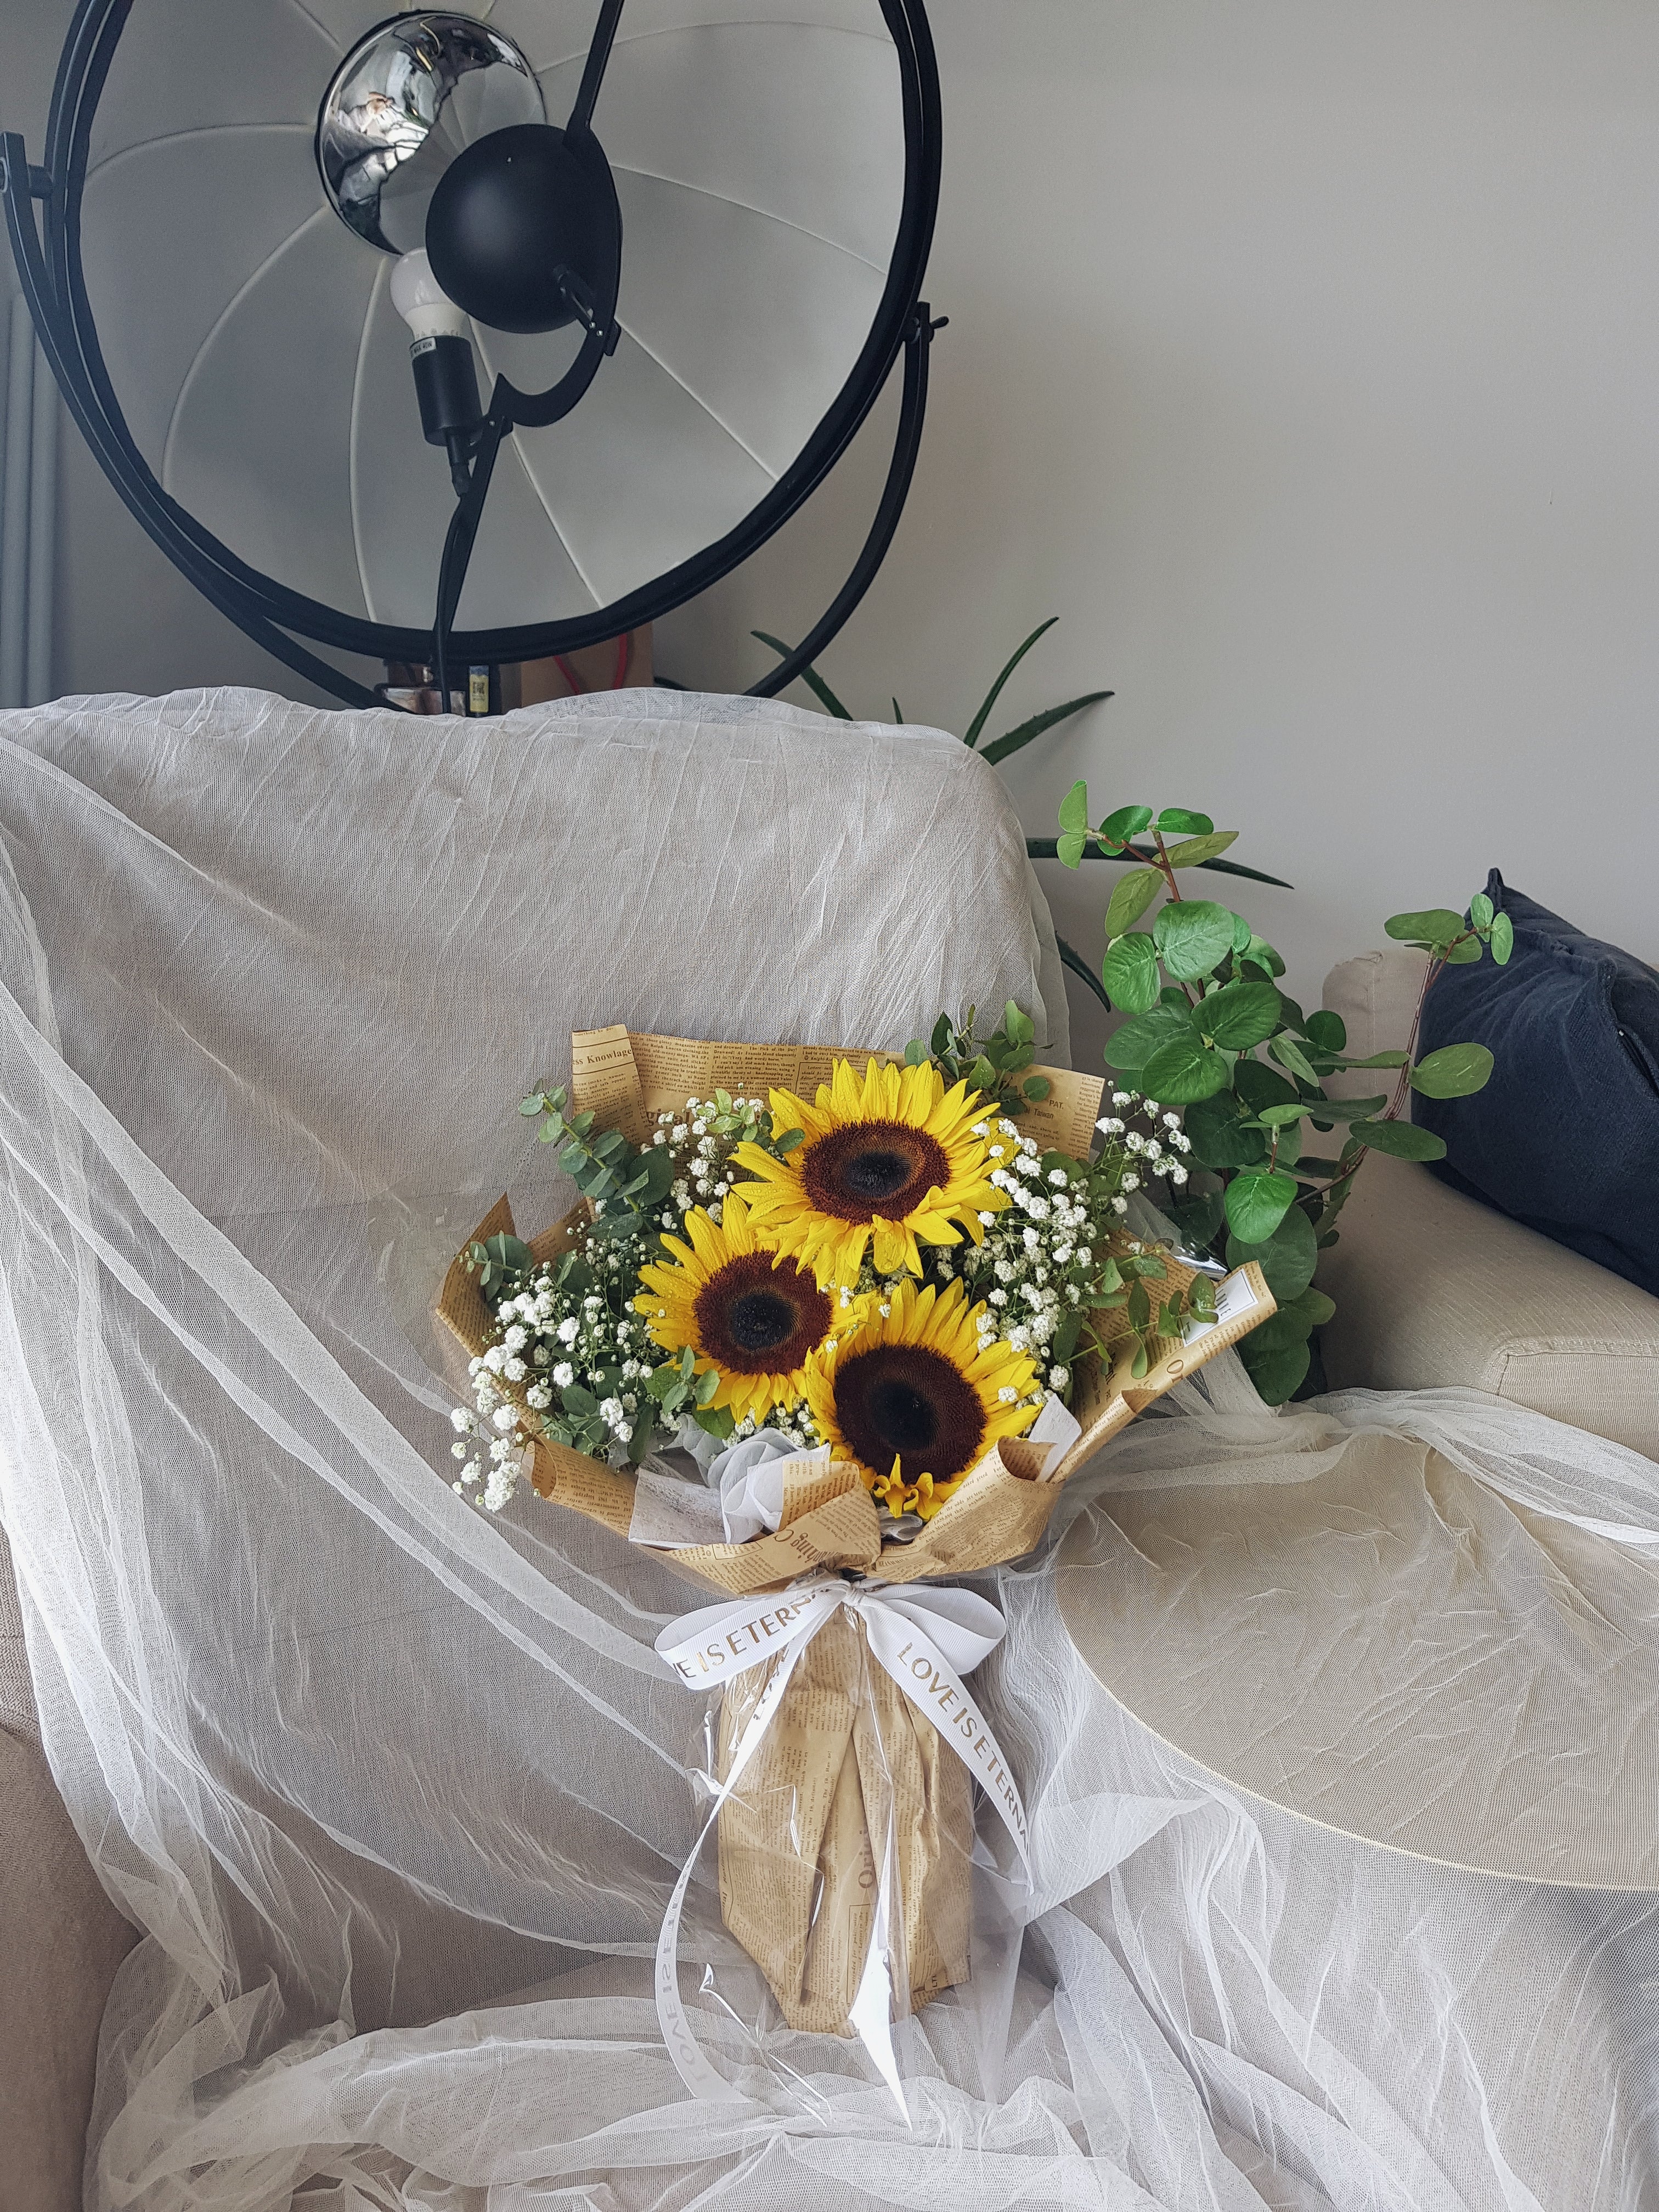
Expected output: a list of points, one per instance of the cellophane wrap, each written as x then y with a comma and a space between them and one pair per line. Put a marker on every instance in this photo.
847, 1758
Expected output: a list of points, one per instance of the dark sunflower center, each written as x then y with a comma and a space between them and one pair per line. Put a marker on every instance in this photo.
760, 1319
755, 1319
904, 1400
868, 1168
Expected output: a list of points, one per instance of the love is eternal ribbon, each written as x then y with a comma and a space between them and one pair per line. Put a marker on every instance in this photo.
925, 1640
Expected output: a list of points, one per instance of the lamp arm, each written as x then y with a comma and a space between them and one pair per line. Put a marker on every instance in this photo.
598, 58
913, 408
462, 537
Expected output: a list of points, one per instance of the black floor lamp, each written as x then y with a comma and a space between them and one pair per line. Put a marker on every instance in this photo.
684, 244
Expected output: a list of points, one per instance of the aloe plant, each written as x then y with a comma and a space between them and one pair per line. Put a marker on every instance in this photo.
1001, 749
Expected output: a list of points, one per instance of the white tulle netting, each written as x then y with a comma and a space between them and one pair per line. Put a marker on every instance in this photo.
397, 1793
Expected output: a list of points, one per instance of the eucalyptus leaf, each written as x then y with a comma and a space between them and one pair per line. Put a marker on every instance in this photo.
1317, 1306
1290, 1055
1192, 852
1481, 910
1129, 1049
1280, 1332
1130, 896
1180, 822
1068, 849
1239, 1015
1402, 1140
1183, 1071
1257, 1202
1259, 1086
1502, 939
1277, 1376
1456, 1071
1199, 1216
1128, 822
1129, 971
1193, 937
1263, 954
1288, 1258
1221, 1138
1326, 1031
1434, 924
1074, 808
1346, 1110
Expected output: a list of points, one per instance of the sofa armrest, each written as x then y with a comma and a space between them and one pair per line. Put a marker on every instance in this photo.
1433, 1288
61, 1941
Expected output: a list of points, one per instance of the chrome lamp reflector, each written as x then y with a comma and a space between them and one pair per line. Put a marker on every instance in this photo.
652, 263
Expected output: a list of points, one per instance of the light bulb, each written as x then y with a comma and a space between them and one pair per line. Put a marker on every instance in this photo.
424, 303
441, 354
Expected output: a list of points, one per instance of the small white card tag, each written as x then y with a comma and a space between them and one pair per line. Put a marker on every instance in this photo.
1056, 1427
671, 1514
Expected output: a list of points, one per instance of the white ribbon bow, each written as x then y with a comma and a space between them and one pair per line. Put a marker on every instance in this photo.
926, 1640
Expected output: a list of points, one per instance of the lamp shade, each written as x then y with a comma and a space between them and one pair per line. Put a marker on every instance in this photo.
776, 185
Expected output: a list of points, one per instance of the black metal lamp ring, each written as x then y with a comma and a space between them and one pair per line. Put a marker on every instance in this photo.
54, 284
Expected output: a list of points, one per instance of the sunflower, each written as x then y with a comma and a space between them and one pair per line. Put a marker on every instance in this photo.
916, 1398
894, 1159
747, 1313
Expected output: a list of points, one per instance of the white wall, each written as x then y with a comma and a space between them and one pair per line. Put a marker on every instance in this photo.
1305, 359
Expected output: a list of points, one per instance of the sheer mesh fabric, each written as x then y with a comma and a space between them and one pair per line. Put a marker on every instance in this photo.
396, 1792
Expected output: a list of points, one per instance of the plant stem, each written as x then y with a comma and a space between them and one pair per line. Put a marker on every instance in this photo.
1402, 1083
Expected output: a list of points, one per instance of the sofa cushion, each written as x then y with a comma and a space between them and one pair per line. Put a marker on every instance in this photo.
1376, 993
1435, 1290
1565, 1136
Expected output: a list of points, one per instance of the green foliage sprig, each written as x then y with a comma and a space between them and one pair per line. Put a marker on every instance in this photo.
992, 1065
1201, 989
611, 1174
622, 1181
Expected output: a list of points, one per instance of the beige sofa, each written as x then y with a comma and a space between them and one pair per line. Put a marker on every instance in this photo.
1432, 1290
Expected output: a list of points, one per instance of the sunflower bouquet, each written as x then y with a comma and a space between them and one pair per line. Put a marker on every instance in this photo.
827, 1327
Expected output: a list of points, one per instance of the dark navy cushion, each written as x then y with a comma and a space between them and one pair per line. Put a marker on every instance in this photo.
1565, 1136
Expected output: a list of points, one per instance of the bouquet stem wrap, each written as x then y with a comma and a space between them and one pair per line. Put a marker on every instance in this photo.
847, 1742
